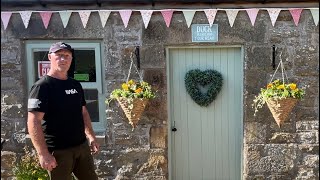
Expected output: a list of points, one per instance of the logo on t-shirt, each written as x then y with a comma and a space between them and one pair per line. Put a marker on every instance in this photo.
33, 103
71, 91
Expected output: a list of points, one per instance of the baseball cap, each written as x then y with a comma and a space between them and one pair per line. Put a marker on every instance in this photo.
59, 46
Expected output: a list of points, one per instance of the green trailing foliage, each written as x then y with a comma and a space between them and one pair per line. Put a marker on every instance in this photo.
196, 78
28, 168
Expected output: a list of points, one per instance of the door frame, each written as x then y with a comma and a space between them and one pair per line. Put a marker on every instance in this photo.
170, 125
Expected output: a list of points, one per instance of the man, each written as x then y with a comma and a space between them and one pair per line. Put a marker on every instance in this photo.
58, 121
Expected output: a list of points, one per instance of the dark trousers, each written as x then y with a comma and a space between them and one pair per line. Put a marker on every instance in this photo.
77, 160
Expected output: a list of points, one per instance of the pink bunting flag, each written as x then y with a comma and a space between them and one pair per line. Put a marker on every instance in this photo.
295, 13
273, 13
211, 15
125, 16
146, 16
5, 17
167, 15
252, 13
45, 16
84, 16
25, 16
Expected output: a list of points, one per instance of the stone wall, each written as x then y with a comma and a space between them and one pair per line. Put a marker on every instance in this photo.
269, 152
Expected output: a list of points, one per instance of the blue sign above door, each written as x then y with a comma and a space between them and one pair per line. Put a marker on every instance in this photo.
204, 33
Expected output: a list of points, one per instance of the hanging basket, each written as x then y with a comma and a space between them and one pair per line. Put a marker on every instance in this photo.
281, 108
134, 109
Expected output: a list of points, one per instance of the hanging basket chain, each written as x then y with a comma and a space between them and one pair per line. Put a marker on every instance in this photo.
283, 72
135, 67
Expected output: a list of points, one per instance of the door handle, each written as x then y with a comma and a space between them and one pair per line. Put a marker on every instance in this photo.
174, 129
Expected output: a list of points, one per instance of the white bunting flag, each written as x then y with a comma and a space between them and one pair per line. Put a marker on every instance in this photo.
5, 17
252, 13
211, 15
315, 15
45, 16
273, 13
65, 16
232, 14
125, 16
146, 16
295, 13
104, 15
188, 15
25, 16
84, 16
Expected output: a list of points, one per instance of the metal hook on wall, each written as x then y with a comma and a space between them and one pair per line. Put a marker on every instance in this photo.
274, 57
137, 53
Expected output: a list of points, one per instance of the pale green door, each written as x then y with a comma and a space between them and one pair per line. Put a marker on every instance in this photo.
207, 144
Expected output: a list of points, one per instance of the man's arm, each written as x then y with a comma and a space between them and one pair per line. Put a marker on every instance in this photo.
36, 133
89, 131
47, 161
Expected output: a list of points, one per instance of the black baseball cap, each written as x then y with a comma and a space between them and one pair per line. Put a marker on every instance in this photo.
60, 46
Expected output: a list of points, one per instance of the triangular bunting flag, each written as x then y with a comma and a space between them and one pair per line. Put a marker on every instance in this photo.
5, 17
146, 16
188, 15
167, 15
65, 16
315, 15
45, 16
104, 15
252, 13
295, 13
25, 16
232, 14
125, 16
84, 16
211, 15
273, 13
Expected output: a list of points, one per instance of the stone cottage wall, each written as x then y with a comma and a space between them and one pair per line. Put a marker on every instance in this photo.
268, 152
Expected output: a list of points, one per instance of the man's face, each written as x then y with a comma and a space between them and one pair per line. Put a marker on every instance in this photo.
60, 60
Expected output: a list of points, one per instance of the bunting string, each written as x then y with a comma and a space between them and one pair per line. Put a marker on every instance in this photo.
167, 15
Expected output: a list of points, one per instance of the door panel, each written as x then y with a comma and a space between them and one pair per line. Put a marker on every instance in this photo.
207, 143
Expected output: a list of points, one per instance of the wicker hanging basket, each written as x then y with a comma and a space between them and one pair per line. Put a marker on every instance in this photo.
281, 108
134, 109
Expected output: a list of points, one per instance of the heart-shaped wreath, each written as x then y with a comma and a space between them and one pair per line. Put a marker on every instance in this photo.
196, 78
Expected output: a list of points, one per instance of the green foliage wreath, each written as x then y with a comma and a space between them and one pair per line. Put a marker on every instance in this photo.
196, 78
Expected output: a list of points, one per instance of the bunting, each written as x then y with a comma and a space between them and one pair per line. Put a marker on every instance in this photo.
104, 16
295, 13
146, 16
315, 15
252, 13
211, 15
5, 18
125, 16
188, 15
232, 14
25, 16
84, 16
65, 16
273, 13
167, 15
45, 16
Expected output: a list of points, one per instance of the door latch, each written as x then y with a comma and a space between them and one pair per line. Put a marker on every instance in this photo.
174, 126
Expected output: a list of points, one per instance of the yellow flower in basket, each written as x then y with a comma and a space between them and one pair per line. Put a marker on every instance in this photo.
280, 97
133, 97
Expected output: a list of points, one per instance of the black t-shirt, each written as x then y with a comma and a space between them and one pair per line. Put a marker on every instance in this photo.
61, 101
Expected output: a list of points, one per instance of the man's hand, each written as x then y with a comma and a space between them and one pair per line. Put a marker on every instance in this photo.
94, 147
48, 161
